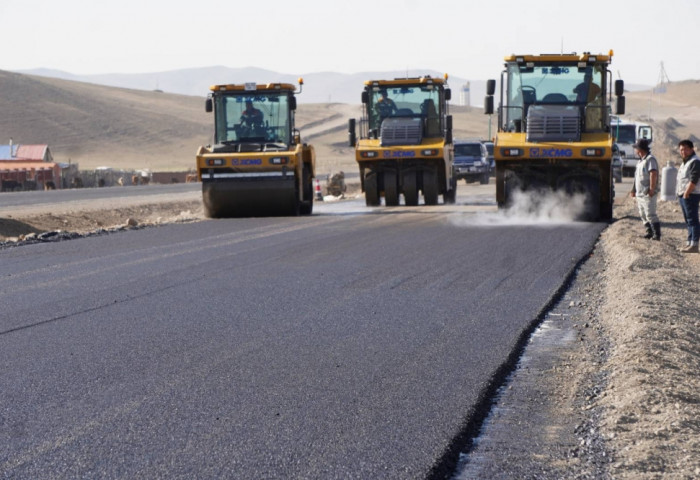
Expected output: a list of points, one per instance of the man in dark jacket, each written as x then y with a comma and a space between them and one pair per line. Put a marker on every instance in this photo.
688, 191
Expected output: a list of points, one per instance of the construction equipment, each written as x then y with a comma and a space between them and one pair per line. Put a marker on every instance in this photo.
257, 165
554, 129
405, 143
626, 134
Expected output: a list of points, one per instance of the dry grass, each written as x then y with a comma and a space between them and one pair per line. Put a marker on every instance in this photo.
94, 125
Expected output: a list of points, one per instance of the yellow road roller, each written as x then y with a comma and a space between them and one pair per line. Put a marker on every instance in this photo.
257, 165
405, 143
554, 129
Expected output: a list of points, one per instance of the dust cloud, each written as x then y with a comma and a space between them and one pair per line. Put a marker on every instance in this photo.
531, 208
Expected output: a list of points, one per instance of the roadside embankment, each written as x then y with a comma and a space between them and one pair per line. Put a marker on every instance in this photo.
651, 404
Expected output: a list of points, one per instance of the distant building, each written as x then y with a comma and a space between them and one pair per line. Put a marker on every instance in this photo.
28, 167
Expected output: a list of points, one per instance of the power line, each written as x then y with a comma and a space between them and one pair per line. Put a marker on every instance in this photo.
662, 81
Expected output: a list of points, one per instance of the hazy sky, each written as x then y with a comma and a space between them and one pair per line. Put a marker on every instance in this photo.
461, 37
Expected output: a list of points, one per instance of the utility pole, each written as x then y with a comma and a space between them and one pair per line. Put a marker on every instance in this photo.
661, 86
663, 80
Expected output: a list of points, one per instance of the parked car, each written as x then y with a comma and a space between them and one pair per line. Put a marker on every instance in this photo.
492, 160
471, 161
616, 164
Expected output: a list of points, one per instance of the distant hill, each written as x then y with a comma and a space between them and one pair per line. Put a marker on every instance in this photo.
98, 125
129, 127
321, 87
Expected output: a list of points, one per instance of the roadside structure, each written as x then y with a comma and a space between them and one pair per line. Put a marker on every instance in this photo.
28, 167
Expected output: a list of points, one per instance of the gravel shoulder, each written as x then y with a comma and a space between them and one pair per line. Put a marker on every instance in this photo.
607, 386
623, 398
81, 218
650, 408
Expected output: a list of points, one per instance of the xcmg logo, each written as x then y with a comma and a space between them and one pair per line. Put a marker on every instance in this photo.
399, 154
246, 161
551, 153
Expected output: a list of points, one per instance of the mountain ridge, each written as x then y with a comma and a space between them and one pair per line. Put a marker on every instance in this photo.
320, 87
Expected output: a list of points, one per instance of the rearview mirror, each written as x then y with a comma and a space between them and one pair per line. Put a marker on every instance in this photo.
620, 105
488, 105
619, 87
352, 135
490, 87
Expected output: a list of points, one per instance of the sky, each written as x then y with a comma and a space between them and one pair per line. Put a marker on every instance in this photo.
464, 38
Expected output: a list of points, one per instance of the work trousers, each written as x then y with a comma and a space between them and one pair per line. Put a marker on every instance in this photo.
690, 213
647, 208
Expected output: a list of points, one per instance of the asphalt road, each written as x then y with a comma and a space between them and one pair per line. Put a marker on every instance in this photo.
37, 202
355, 343
52, 197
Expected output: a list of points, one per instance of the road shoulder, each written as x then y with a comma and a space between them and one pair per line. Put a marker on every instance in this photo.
607, 386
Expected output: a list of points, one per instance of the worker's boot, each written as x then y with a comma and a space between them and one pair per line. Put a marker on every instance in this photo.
650, 232
692, 248
656, 227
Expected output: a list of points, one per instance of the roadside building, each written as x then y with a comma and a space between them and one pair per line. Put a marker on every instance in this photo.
28, 167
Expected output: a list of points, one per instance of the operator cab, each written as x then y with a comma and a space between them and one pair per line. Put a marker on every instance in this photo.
251, 119
561, 88
565, 91
412, 110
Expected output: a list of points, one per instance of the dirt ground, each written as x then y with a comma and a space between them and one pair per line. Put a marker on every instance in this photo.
651, 404
647, 312
87, 218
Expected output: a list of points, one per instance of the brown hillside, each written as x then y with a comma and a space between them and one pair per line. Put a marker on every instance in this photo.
675, 115
95, 125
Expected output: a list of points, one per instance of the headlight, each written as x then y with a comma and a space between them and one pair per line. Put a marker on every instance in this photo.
593, 152
511, 152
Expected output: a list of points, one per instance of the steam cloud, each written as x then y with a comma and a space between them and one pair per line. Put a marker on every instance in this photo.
534, 207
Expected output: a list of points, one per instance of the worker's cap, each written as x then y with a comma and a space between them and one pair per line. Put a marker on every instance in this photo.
642, 144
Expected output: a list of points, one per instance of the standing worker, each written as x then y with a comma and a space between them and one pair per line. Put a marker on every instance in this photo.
645, 188
688, 191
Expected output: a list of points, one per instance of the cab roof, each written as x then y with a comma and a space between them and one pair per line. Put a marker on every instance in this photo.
560, 57
253, 87
425, 80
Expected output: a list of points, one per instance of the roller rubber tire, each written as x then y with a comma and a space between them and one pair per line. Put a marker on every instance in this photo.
430, 187
371, 190
410, 188
307, 206
391, 189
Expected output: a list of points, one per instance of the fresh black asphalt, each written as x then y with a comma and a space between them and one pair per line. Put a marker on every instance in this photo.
322, 347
